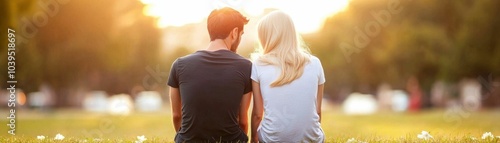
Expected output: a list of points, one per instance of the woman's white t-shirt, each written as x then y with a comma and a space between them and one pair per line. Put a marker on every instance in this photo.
290, 110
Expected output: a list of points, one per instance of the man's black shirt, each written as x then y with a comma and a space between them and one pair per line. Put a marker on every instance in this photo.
211, 85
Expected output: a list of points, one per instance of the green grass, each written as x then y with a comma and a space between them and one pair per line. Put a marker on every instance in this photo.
79, 126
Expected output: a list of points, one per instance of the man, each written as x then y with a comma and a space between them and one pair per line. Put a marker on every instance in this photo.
210, 89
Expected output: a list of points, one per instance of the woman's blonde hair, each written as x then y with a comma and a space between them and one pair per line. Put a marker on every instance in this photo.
282, 46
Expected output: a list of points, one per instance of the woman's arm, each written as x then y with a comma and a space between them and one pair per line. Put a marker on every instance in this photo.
319, 99
257, 111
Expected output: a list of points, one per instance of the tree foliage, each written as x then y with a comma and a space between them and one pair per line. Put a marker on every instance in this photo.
431, 40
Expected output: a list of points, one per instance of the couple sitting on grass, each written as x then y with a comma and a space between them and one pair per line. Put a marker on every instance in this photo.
211, 89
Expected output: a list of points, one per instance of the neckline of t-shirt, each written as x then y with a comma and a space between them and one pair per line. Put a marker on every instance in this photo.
220, 50
213, 51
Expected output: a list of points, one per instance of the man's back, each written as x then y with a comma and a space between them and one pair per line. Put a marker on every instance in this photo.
211, 85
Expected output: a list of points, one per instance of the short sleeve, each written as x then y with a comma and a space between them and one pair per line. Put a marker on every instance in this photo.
255, 74
248, 81
321, 74
173, 78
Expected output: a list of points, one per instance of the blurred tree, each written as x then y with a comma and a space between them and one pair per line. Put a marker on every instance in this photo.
84, 45
478, 41
432, 40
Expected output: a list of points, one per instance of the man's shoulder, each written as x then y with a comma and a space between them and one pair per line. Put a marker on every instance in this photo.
244, 60
240, 59
189, 56
244, 63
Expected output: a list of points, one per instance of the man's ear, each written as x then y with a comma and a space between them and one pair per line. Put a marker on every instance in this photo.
235, 33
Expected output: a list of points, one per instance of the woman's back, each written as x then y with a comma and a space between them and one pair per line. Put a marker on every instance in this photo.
290, 110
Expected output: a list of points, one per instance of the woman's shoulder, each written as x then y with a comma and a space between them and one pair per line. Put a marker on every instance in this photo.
259, 62
314, 60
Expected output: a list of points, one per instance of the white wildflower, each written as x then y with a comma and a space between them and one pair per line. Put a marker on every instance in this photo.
487, 135
141, 139
424, 135
59, 137
352, 140
40, 137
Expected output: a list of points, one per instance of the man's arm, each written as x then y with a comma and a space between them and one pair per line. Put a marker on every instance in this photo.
319, 99
245, 104
257, 111
175, 101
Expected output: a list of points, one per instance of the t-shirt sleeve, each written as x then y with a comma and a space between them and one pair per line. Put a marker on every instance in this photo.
321, 73
173, 78
255, 74
248, 82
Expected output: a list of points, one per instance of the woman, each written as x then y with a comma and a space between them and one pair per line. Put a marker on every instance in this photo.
287, 85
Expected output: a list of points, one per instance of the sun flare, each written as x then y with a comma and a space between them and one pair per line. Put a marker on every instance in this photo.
308, 15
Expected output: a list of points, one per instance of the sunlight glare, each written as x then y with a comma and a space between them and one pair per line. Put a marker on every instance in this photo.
177, 13
308, 15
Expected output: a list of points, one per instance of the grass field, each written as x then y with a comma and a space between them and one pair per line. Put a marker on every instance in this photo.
80, 126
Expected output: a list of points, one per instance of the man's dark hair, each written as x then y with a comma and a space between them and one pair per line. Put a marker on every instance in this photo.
221, 21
